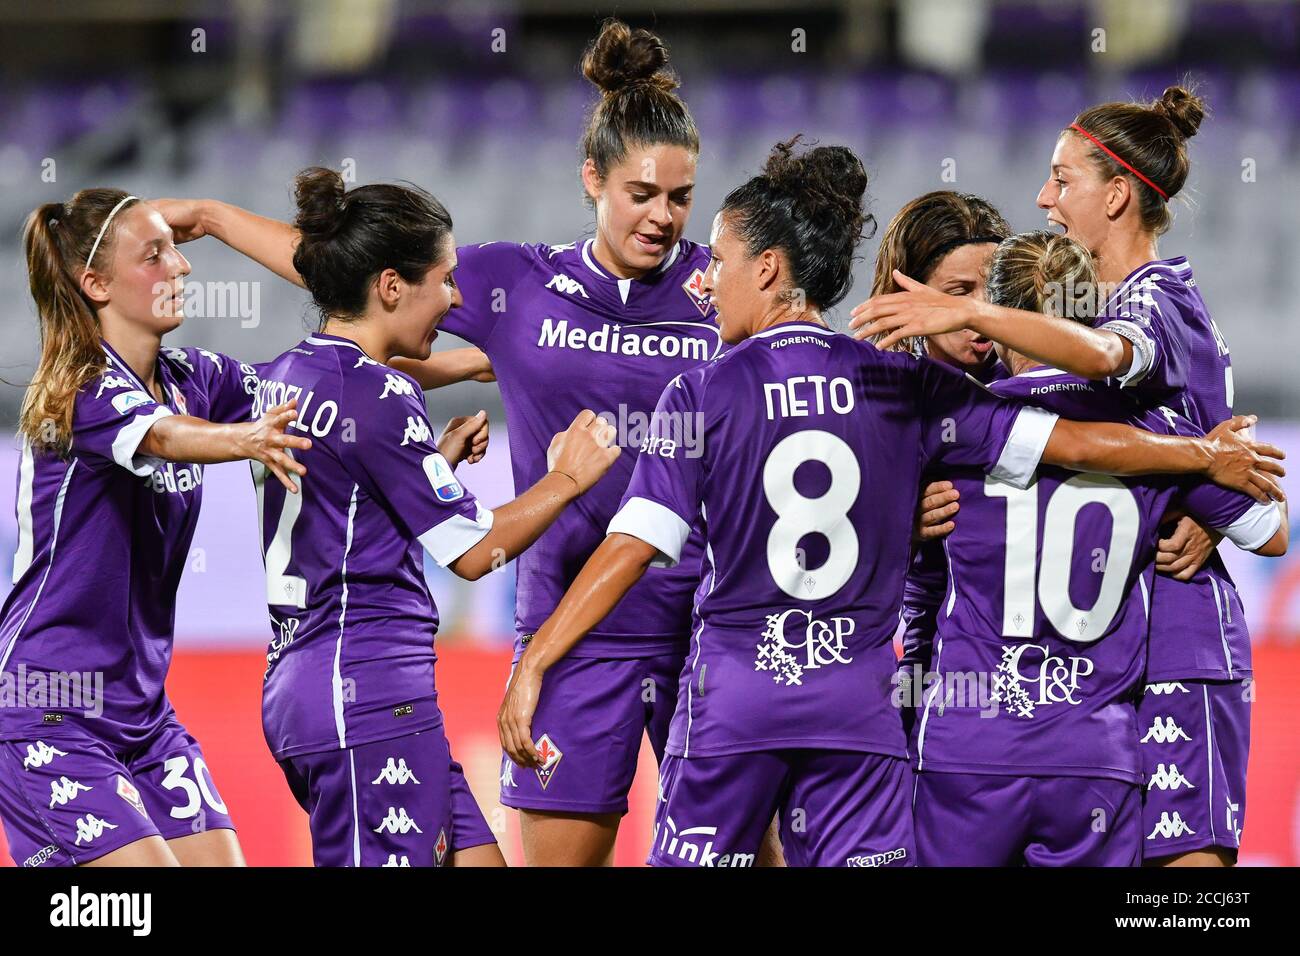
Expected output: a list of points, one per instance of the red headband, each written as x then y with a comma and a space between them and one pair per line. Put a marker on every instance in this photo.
1119, 159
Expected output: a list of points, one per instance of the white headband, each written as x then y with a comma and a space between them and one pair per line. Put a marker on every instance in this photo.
103, 229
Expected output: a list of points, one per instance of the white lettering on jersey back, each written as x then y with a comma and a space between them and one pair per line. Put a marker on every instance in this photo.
822, 644
635, 339
318, 419
396, 385
397, 822
39, 754
816, 397
568, 285
396, 772
417, 430
64, 791
1021, 686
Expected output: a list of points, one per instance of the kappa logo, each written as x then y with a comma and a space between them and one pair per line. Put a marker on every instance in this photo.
41, 856
1169, 687
128, 792
112, 381
179, 357
567, 285
549, 754
694, 287
39, 754
396, 773
397, 822
63, 791
442, 478
417, 430
1170, 778
1171, 825
363, 360
90, 828
212, 357
878, 859
393, 861
508, 772
1165, 733
396, 385
440, 848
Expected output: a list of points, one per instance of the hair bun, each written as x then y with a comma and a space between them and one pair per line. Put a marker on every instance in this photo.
830, 176
321, 198
1067, 264
1183, 108
620, 57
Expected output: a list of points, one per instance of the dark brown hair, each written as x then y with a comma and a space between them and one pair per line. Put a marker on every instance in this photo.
637, 103
1152, 138
57, 240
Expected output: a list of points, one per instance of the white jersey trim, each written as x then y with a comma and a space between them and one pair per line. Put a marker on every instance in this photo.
654, 524
449, 539
1255, 528
793, 327
128, 441
1144, 350
26, 537
1024, 448
340, 722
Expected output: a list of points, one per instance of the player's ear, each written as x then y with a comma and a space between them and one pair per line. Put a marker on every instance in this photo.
769, 266
388, 286
591, 180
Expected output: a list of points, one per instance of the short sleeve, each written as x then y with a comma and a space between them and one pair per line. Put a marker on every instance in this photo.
663, 498
394, 459
1150, 321
110, 417
964, 424
231, 386
486, 275
1241, 519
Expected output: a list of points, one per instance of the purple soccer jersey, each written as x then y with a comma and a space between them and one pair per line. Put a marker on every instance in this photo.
1181, 360
351, 655
564, 335
1047, 602
813, 447
103, 536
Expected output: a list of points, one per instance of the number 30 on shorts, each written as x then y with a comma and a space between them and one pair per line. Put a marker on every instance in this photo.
197, 787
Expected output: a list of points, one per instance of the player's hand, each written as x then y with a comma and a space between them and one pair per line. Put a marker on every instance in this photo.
1182, 553
585, 451
916, 311
935, 512
515, 719
265, 440
465, 439
1243, 464
184, 216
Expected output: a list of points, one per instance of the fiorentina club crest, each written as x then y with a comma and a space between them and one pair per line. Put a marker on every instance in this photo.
440, 848
179, 399
549, 755
694, 287
127, 791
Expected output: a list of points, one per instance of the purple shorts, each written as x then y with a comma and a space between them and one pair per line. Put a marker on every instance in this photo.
589, 723
968, 819
398, 802
1195, 741
68, 798
836, 808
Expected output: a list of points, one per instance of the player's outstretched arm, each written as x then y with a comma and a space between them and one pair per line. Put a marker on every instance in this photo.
269, 242
1226, 455
182, 438
448, 367
920, 310
582, 455
607, 576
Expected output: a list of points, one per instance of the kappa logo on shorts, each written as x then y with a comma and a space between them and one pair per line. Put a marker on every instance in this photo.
41, 856
393, 861
39, 754
1170, 778
508, 772
63, 791
549, 754
694, 287
878, 859
90, 828
1166, 733
397, 822
396, 773
1168, 687
1170, 825
128, 792
440, 848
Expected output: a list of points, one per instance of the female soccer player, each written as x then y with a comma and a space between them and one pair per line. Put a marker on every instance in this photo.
1048, 598
812, 449
1114, 171
109, 487
350, 709
600, 323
